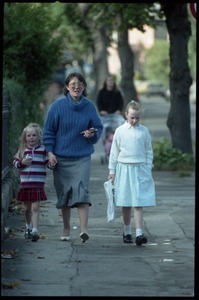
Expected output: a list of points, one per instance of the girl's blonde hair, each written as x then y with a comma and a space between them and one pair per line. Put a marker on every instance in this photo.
134, 105
22, 144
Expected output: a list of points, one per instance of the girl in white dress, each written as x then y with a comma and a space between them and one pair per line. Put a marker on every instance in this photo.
130, 166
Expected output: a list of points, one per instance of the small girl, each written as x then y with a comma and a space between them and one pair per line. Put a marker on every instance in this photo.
130, 166
31, 159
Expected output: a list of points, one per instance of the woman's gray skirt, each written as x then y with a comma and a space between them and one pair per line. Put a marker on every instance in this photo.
71, 181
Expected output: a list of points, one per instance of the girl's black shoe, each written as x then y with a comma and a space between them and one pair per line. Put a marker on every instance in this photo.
127, 238
140, 239
28, 234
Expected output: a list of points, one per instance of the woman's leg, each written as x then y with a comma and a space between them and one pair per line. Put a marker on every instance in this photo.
83, 211
66, 220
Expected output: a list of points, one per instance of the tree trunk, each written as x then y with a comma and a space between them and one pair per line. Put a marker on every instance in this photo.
179, 117
99, 48
100, 62
127, 67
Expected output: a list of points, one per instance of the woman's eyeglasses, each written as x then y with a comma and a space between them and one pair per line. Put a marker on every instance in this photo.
76, 84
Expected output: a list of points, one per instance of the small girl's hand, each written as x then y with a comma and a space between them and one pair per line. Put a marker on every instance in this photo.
27, 160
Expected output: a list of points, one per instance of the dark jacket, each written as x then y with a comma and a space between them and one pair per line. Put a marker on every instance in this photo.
110, 101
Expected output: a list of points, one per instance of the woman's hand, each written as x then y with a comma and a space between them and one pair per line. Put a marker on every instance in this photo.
88, 133
52, 159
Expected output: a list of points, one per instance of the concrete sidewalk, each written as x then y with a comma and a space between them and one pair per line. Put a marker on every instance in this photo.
104, 265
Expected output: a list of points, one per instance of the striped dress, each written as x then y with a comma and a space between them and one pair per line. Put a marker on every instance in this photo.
32, 177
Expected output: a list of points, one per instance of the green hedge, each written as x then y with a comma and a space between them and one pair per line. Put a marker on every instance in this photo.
168, 158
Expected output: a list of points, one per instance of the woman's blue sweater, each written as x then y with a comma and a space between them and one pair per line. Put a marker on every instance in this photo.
64, 123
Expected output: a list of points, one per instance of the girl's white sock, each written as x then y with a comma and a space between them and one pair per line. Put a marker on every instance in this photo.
138, 231
127, 229
34, 230
29, 226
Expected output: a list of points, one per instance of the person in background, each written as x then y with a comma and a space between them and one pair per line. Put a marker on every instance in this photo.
130, 165
31, 158
110, 105
109, 98
71, 129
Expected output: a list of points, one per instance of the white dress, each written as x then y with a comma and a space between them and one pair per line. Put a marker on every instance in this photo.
134, 186
131, 161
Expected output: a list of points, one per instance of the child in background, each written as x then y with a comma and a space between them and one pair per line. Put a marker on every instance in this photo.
130, 165
31, 158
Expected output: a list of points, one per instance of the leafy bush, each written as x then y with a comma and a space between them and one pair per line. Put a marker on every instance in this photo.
32, 49
15, 95
170, 159
12, 114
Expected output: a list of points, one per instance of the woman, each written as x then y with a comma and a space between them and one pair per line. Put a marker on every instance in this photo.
72, 127
109, 98
110, 105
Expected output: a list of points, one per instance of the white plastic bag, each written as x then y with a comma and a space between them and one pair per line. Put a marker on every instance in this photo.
109, 192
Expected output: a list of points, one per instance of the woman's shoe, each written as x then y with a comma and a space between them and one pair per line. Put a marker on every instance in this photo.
84, 236
65, 238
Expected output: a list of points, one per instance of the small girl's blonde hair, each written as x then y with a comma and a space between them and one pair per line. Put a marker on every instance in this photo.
22, 144
134, 105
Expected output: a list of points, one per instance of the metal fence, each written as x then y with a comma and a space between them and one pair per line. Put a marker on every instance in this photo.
5, 169
7, 186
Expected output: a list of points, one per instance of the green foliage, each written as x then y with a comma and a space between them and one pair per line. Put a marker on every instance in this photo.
157, 62
79, 35
133, 15
168, 158
15, 96
184, 174
32, 50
